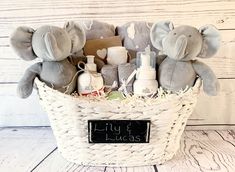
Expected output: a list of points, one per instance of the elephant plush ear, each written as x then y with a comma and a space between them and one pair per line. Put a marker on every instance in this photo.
211, 41
77, 35
21, 42
159, 31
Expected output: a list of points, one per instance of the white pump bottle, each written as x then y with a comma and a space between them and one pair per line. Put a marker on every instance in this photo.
146, 83
90, 82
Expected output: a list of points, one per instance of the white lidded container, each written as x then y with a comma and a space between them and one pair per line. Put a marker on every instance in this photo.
146, 83
90, 81
117, 55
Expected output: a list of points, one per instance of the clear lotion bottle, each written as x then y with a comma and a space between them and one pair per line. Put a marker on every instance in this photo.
146, 83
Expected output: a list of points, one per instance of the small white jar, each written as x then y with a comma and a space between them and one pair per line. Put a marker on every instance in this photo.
117, 55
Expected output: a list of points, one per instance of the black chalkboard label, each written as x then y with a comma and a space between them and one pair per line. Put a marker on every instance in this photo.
118, 131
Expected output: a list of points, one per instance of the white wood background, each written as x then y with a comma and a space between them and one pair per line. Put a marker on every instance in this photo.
211, 112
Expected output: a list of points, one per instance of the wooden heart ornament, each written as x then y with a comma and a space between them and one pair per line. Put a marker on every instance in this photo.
101, 53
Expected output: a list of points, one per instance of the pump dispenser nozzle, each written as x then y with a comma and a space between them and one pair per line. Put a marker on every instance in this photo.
90, 65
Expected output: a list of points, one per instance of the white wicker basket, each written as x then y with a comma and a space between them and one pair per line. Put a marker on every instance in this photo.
68, 116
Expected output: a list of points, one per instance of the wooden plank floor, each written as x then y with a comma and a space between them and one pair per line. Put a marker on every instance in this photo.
34, 149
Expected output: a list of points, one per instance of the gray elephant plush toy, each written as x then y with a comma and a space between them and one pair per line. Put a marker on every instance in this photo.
181, 45
95, 29
52, 45
135, 36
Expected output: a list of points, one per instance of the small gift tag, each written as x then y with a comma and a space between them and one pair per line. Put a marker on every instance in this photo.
118, 131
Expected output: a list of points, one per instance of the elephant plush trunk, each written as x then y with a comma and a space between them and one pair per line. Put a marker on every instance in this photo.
54, 53
180, 47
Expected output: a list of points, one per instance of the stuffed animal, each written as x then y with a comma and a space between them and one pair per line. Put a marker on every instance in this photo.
135, 36
98, 30
95, 30
182, 45
52, 45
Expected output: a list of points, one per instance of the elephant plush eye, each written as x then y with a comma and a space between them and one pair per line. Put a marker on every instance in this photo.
190, 36
174, 33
